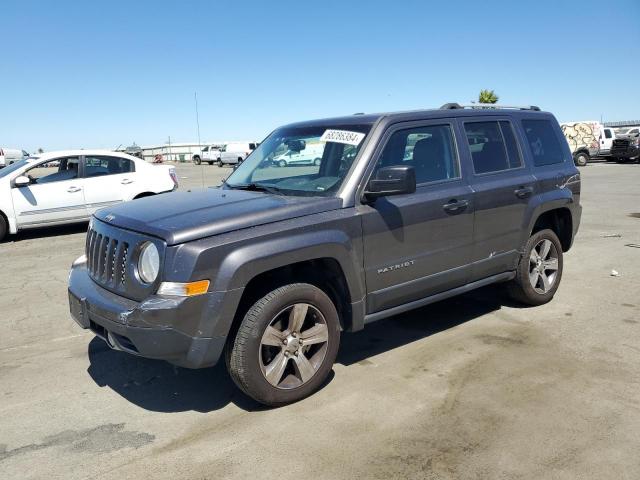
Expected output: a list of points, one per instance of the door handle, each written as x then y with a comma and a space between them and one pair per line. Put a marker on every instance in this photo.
523, 192
73, 189
455, 206
126, 181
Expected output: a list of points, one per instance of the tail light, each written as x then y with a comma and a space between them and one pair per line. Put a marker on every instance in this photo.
174, 178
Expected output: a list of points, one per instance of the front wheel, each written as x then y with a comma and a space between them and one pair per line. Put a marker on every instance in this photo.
286, 345
3, 228
539, 271
219, 162
282, 163
317, 162
210, 162
581, 159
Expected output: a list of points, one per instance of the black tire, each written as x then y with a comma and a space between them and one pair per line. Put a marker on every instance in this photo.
219, 163
197, 160
521, 288
282, 164
581, 159
240, 159
3, 228
210, 162
245, 354
317, 162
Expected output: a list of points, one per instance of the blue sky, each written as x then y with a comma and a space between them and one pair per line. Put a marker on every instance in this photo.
99, 74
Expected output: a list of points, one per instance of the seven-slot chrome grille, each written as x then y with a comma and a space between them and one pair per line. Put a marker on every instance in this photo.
112, 255
107, 259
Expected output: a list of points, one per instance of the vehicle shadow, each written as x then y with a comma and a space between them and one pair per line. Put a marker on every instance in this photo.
158, 386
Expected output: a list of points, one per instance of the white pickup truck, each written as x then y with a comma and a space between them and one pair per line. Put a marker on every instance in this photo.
209, 154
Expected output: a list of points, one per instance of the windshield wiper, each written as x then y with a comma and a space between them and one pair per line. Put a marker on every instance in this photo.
255, 187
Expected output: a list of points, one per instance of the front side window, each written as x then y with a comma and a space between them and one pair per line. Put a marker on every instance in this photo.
543, 142
428, 149
493, 146
96, 166
607, 133
307, 161
57, 170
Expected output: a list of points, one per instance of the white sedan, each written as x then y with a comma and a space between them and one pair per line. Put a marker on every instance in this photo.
68, 186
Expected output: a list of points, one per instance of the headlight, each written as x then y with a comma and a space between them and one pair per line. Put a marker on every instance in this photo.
149, 263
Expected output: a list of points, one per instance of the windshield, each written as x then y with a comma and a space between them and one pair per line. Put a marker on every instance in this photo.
13, 167
310, 161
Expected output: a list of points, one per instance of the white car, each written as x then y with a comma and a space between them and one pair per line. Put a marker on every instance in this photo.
34, 194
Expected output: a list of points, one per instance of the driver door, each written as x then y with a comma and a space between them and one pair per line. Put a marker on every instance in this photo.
55, 195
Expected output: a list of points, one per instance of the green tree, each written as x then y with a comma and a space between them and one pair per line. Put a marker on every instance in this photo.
488, 96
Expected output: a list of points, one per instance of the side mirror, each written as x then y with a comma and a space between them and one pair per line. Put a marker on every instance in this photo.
22, 181
394, 180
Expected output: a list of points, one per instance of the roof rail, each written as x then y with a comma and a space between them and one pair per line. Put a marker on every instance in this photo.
456, 106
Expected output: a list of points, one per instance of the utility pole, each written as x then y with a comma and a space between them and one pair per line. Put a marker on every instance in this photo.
169, 147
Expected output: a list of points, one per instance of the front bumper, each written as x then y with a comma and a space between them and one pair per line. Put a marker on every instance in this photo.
631, 152
180, 330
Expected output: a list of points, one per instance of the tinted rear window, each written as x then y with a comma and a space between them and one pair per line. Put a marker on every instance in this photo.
492, 145
543, 142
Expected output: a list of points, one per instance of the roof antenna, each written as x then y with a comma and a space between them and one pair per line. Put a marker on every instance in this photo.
195, 97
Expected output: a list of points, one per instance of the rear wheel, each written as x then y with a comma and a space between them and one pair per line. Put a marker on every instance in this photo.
197, 160
581, 159
4, 228
282, 163
286, 345
210, 162
539, 270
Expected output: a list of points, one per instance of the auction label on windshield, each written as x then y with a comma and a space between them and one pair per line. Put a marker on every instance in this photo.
342, 136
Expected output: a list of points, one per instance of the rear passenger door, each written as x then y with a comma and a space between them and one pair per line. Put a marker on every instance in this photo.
503, 187
108, 180
418, 244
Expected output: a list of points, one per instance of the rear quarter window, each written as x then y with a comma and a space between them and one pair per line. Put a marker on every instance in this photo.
543, 142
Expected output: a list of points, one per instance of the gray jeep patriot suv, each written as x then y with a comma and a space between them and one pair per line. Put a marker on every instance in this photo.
402, 210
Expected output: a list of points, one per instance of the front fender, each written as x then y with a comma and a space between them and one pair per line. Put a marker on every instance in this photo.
246, 262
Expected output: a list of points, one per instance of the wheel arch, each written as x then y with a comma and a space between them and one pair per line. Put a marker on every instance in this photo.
144, 194
560, 221
326, 261
12, 226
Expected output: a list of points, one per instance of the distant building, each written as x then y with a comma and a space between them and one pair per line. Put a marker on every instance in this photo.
174, 152
624, 123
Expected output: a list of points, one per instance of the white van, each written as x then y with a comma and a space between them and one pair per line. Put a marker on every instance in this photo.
11, 155
310, 155
235, 152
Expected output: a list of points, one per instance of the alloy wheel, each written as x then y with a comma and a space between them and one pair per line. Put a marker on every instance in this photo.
543, 266
293, 346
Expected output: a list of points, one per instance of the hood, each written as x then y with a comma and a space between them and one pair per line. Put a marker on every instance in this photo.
179, 217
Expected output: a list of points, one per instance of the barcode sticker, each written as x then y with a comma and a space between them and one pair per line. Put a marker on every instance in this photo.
342, 136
